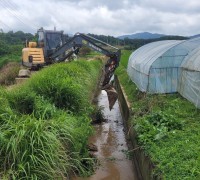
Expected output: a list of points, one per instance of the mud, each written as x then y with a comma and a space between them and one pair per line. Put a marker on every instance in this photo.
112, 150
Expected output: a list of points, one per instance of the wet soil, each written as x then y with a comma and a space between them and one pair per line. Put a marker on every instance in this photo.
112, 150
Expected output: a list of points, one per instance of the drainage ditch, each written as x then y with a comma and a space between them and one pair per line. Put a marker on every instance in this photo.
112, 148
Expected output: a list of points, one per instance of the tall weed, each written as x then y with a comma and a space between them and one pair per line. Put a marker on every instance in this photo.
8, 73
22, 100
44, 124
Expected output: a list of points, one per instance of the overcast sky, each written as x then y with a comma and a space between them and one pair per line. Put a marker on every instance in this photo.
108, 17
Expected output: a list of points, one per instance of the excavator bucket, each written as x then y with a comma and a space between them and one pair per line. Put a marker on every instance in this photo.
112, 96
108, 87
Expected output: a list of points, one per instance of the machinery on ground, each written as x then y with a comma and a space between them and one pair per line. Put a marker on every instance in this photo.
54, 47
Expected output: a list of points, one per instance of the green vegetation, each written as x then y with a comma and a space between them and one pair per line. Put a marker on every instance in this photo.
132, 44
45, 124
168, 129
8, 73
4, 59
13, 38
11, 45
98, 116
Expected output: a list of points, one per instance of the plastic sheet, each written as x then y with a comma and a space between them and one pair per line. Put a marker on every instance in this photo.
156, 67
189, 83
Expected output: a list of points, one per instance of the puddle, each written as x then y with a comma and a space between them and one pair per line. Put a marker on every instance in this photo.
112, 146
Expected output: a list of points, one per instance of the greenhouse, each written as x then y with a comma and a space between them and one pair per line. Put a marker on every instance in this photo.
155, 67
189, 84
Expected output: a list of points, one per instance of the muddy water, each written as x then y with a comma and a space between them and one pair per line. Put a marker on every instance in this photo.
112, 146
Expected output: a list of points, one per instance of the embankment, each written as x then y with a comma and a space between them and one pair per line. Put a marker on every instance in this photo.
142, 162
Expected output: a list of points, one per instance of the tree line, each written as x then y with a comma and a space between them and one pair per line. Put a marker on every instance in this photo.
133, 44
12, 42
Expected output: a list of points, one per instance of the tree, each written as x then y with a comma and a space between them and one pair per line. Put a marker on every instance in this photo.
4, 48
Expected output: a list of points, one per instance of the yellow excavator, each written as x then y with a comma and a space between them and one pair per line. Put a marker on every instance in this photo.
54, 46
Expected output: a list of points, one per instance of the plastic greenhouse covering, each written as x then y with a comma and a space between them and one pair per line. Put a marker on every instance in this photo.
167, 67
147, 65
189, 84
155, 67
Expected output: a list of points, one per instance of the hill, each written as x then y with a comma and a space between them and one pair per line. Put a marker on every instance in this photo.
194, 36
143, 35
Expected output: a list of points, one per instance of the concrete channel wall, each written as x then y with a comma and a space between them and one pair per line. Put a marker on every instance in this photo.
142, 162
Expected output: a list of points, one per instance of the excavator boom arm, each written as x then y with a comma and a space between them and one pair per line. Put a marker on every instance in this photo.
79, 40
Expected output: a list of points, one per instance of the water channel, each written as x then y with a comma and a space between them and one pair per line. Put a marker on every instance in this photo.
112, 146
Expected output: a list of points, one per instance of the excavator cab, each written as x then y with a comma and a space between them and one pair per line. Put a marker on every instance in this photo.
38, 54
50, 40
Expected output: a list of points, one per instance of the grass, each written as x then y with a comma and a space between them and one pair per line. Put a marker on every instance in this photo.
44, 124
68, 89
8, 73
9, 68
9, 58
168, 129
